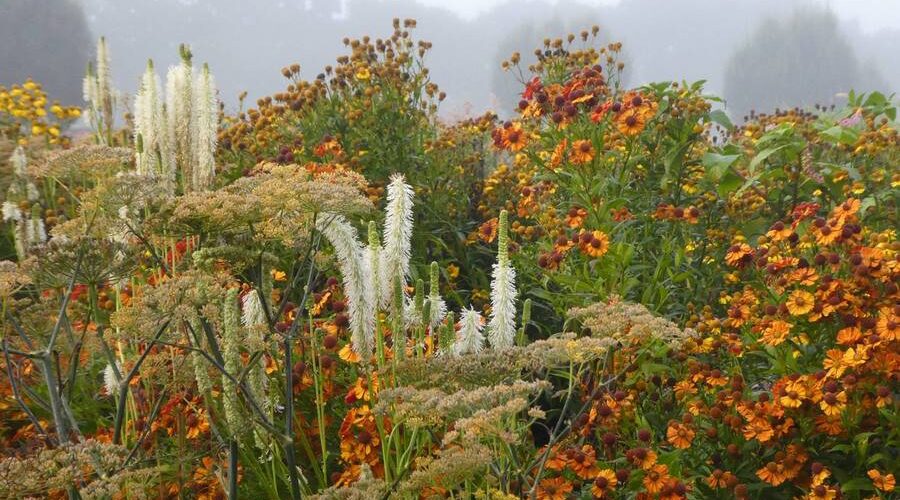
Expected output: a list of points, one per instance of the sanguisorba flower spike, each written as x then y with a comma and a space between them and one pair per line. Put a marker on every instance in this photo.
398, 224
231, 352
99, 94
438, 308
149, 126
469, 338
205, 127
502, 326
355, 271
253, 317
179, 88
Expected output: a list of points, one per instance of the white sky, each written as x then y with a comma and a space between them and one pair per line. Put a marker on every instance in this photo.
872, 15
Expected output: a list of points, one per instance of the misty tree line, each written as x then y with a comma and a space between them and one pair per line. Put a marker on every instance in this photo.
758, 55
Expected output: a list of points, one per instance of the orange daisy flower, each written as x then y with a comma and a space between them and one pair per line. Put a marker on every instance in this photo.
888, 325
800, 302
680, 435
773, 473
719, 479
575, 217
843, 211
487, 232
604, 483
514, 138
656, 477
884, 482
833, 404
739, 255
776, 333
582, 152
829, 425
583, 462
594, 244
557, 488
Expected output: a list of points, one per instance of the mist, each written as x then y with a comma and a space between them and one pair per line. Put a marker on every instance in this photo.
247, 43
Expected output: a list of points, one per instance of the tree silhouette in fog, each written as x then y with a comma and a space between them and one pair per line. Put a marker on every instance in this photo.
800, 61
47, 40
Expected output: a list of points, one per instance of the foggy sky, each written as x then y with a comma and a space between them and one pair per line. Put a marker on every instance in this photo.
246, 42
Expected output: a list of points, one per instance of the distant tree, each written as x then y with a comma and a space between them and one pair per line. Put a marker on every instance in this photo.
800, 61
47, 40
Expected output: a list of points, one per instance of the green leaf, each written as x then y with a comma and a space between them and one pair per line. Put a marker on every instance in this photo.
866, 203
719, 116
716, 165
839, 134
761, 157
729, 183
858, 484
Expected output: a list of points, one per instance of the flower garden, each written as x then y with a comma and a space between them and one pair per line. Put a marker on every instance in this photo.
334, 292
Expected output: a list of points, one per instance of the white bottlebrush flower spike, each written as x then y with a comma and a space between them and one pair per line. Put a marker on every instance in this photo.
99, 93
372, 256
355, 272
252, 313
104, 80
19, 161
469, 338
149, 125
111, 382
502, 326
438, 309
91, 94
232, 340
205, 127
398, 224
31, 191
11, 212
179, 90
36, 230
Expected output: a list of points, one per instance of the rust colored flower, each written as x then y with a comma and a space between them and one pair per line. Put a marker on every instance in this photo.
600, 112
792, 394
656, 477
621, 214
739, 255
884, 482
832, 404
604, 483
800, 302
845, 210
514, 138
559, 154
582, 152
557, 488
583, 462
720, 479
773, 473
680, 435
575, 217
776, 332
594, 244
487, 232
348, 354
